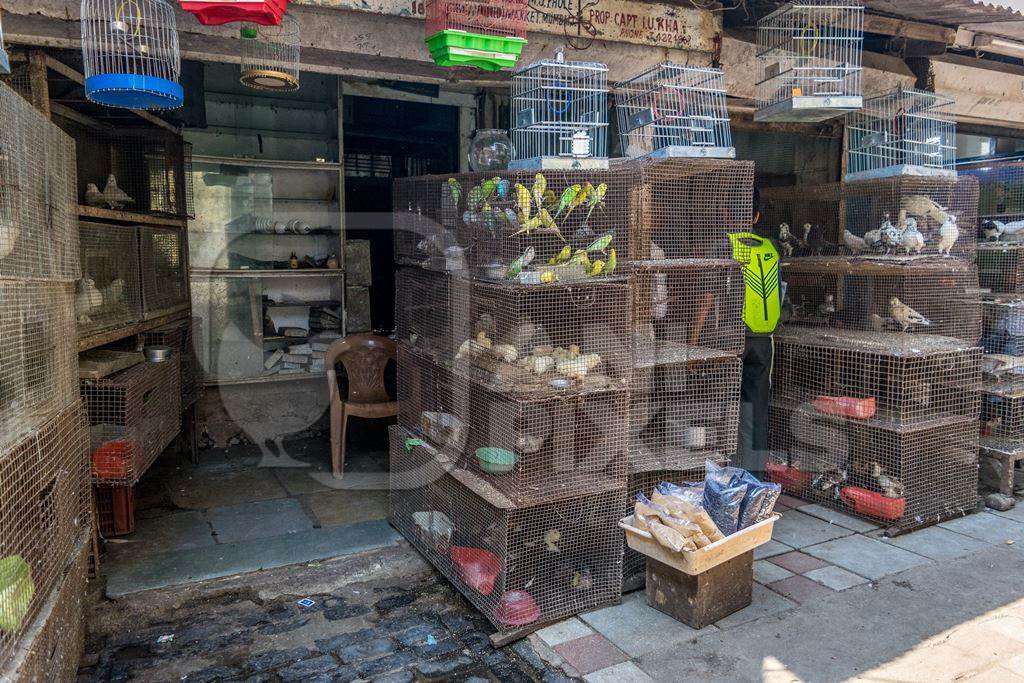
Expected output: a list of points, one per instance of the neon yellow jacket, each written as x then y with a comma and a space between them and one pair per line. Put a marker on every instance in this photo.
762, 304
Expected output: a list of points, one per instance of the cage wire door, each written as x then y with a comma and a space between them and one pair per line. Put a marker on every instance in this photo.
130, 54
903, 132
164, 280
560, 115
809, 54
672, 110
270, 55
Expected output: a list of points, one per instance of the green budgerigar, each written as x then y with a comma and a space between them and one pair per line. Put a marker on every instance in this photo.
455, 188
476, 198
517, 266
567, 198
490, 186
601, 244
596, 199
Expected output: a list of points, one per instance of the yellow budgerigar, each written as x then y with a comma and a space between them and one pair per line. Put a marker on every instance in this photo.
540, 186
561, 257
523, 202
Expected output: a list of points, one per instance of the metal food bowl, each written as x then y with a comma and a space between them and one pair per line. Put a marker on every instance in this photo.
158, 354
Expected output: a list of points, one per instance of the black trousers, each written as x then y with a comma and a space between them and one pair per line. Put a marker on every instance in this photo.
755, 394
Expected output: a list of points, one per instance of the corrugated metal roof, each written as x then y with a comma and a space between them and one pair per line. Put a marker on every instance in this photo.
1002, 18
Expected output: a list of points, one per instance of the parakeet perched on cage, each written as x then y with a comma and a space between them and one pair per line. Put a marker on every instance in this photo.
561, 257
489, 187
906, 316
475, 199
522, 262
502, 188
568, 197
613, 261
454, 189
580, 258
540, 187
601, 244
523, 202
596, 199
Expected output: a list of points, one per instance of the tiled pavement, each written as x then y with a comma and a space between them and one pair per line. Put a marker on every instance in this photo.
816, 553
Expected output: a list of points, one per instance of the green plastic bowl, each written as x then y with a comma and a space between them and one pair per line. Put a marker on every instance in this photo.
496, 460
459, 48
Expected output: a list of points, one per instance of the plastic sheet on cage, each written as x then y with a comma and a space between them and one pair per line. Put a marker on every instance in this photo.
38, 211
904, 479
534, 228
108, 295
38, 361
894, 304
44, 513
518, 565
133, 415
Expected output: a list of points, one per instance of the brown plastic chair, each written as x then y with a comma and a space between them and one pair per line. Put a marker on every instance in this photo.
364, 357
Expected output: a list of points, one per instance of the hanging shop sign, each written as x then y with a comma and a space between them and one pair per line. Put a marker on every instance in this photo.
216, 12
641, 23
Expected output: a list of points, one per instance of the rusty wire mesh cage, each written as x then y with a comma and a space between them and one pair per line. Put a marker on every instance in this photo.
109, 294
532, 448
130, 169
687, 310
517, 565
809, 53
683, 414
483, 222
873, 217
19, 79
1000, 199
38, 361
686, 208
38, 213
634, 563
854, 376
933, 296
1001, 267
44, 511
178, 335
903, 132
906, 479
54, 650
1002, 414
1003, 342
133, 415
671, 110
164, 276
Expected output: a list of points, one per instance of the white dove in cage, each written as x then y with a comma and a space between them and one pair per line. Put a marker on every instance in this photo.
87, 298
949, 233
114, 196
93, 196
912, 240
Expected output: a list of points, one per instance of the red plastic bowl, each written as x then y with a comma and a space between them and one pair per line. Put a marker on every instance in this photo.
873, 504
113, 460
845, 406
517, 608
477, 568
792, 480
216, 12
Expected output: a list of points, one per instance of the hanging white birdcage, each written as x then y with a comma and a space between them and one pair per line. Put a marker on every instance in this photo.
130, 52
810, 55
5, 60
560, 115
270, 55
674, 111
903, 132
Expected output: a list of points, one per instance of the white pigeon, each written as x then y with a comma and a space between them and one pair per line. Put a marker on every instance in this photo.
912, 240
1013, 229
858, 245
88, 296
949, 233
906, 316
114, 196
890, 236
93, 196
872, 238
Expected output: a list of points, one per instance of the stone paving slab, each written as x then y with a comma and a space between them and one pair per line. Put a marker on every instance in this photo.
987, 527
626, 672
831, 516
635, 627
185, 530
590, 653
936, 543
801, 589
570, 629
1015, 513
765, 572
836, 578
765, 602
333, 508
196, 491
799, 530
770, 549
865, 556
797, 562
257, 520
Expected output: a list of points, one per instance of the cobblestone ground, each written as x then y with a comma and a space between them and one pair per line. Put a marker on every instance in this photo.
383, 617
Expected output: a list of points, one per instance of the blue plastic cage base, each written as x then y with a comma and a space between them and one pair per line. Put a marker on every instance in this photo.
132, 91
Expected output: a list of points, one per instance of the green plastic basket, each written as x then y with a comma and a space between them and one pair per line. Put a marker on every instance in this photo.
459, 48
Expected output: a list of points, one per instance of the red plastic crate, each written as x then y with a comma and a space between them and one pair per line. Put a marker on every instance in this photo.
216, 12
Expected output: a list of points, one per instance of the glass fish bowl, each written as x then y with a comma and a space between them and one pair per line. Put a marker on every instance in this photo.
490, 150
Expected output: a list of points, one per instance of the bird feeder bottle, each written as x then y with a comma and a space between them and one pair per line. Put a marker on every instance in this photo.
810, 56
674, 111
270, 55
485, 35
905, 132
130, 52
217, 12
560, 115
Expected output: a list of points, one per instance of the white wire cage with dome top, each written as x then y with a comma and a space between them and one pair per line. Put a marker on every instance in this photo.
270, 55
902, 132
810, 56
560, 115
674, 111
130, 53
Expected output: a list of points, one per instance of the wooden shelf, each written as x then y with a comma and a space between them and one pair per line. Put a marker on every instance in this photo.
96, 212
234, 273
267, 379
326, 166
104, 337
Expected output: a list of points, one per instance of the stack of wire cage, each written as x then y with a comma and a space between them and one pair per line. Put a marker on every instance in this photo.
875, 392
1000, 259
686, 197
560, 115
809, 54
45, 507
513, 315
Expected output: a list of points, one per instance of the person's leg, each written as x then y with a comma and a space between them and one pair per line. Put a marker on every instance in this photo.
755, 394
